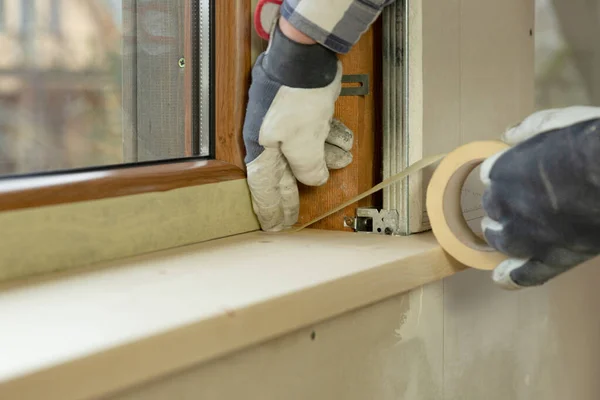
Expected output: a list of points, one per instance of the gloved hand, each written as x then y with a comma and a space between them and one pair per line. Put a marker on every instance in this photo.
289, 131
542, 196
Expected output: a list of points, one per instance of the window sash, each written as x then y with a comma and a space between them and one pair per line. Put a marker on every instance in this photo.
25, 198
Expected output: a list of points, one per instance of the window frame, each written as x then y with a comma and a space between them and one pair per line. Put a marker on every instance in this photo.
231, 44
210, 198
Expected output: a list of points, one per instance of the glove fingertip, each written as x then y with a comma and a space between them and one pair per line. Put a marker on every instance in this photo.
502, 274
273, 229
315, 177
486, 168
340, 135
513, 136
337, 158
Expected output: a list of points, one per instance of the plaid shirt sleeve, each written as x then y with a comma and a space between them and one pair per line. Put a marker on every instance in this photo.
336, 24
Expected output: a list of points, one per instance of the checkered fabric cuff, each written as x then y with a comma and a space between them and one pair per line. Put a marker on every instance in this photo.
336, 24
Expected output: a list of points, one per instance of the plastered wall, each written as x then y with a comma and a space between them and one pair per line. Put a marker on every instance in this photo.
460, 338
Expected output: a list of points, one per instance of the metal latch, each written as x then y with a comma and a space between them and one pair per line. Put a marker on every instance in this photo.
361, 90
371, 220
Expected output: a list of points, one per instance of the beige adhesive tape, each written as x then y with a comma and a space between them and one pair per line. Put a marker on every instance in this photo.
443, 203
445, 211
419, 165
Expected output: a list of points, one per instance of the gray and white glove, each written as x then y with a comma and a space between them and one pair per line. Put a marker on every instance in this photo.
542, 196
289, 131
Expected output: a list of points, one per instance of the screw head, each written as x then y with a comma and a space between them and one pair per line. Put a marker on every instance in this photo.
349, 222
181, 62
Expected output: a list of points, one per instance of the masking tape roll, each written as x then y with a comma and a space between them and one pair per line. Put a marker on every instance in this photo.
445, 211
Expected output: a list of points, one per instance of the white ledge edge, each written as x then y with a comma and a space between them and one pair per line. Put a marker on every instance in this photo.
89, 333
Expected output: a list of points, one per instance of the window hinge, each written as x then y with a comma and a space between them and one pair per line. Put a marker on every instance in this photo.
371, 220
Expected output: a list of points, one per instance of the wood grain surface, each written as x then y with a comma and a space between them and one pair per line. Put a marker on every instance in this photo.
70, 187
360, 114
233, 31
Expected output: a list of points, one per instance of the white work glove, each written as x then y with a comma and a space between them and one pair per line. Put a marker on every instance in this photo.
289, 131
542, 196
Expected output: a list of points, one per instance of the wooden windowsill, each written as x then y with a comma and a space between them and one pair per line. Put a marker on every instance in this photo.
92, 332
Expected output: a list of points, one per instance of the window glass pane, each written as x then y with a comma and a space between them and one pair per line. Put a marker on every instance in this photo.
567, 53
102, 82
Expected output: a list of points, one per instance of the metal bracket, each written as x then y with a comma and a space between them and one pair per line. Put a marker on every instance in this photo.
371, 220
361, 90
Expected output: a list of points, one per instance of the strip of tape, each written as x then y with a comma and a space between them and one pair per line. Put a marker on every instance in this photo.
416, 167
443, 203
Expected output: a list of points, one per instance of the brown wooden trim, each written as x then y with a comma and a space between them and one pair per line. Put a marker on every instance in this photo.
360, 114
46, 190
233, 28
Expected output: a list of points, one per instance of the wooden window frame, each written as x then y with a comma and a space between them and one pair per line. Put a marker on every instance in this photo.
232, 61
209, 198
34, 207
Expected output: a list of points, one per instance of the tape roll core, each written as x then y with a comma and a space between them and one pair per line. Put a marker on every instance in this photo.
444, 208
